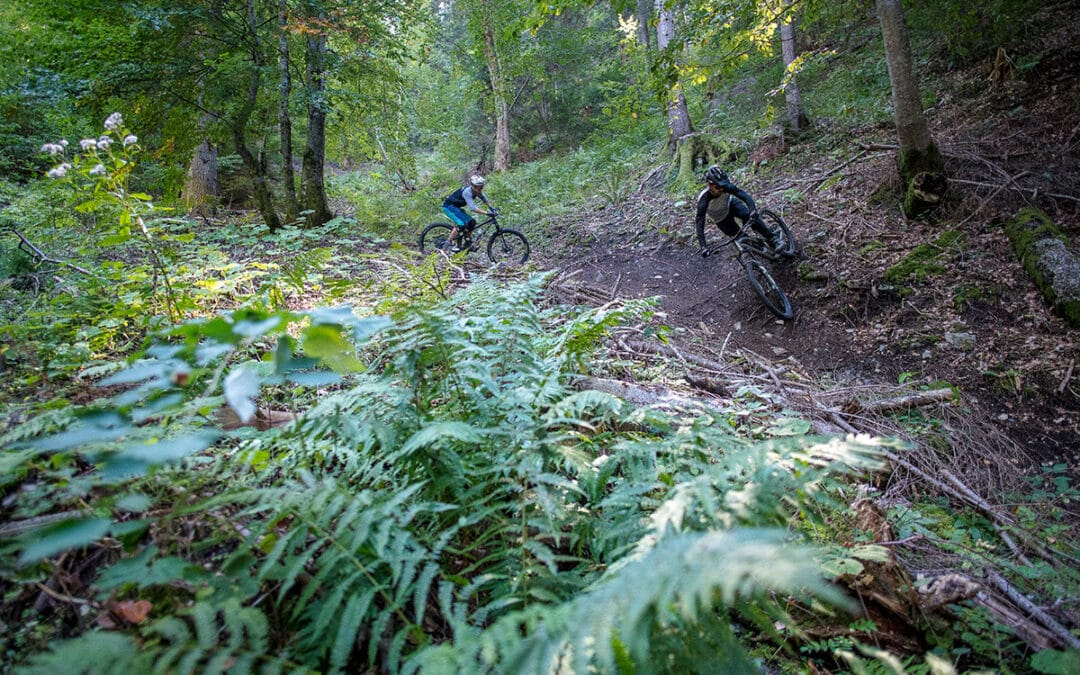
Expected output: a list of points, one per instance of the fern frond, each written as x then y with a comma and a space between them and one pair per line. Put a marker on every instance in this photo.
678, 581
212, 639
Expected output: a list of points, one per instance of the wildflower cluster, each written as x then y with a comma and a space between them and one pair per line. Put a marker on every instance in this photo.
98, 171
97, 160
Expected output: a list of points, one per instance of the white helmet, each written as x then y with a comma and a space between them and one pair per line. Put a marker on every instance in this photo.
476, 180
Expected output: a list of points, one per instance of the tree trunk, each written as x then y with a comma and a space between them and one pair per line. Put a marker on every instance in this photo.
921, 166
256, 167
796, 116
288, 180
314, 186
201, 185
501, 99
678, 114
644, 14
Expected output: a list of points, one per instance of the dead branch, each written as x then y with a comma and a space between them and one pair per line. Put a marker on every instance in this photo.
905, 402
26, 246
639, 394
19, 526
1016, 188
1063, 634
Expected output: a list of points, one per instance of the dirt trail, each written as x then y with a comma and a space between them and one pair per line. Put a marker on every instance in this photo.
1013, 360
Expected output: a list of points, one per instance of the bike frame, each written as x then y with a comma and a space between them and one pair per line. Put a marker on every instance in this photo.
474, 236
747, 258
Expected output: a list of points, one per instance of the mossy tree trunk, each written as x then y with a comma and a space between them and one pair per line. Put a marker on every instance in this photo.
288, 179
697, 150
314, 162
201, 184
796, 114
1043, 249
501, 98
922, 169
679, 125
256, 166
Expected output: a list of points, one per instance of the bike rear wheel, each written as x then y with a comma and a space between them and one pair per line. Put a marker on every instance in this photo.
508, 246
787, 242
768, 290
434, 237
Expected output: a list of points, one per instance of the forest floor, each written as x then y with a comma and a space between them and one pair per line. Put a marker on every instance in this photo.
976, 322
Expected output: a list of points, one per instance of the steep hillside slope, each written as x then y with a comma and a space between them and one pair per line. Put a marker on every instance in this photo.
880, 300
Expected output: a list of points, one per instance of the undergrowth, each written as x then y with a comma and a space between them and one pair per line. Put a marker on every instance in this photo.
447, 500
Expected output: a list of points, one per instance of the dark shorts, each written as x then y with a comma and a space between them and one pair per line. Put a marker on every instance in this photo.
458, 216
736, 210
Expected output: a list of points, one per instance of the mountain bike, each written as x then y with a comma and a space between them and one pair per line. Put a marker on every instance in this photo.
505, 245
749, 247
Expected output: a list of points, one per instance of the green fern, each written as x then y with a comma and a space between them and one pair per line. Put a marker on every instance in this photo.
681, 580
459, 504
203, 639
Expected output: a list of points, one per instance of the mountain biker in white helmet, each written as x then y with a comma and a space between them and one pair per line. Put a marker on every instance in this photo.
464, 197
722, 202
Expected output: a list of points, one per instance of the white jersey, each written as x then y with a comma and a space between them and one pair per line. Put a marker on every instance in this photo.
718, 206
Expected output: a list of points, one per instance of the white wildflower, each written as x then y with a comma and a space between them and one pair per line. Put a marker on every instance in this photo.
88, 144
60, 171
98, 170
113, 121
63, 142
130, 139
52, 148
103, 143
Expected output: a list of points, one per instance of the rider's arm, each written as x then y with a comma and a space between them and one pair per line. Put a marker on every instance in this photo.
744, 196
467, 193
702, 211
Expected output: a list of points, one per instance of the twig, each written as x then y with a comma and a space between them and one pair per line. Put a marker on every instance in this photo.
1068, 376
38, 253
19, 526
60, 596
901, 542
1017, 188
990, 198
1059, 631
902, 402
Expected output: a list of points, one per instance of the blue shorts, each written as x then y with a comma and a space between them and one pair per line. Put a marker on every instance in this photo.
458, 216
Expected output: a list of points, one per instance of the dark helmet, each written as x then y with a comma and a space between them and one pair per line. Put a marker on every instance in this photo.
715, 175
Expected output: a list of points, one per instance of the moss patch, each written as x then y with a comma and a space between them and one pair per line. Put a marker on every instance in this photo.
924, 261
966, 295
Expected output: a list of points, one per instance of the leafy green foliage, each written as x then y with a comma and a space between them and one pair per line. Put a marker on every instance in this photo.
450, 486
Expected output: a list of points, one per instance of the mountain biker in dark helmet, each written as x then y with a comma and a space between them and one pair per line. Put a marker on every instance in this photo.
717, 204
464, 197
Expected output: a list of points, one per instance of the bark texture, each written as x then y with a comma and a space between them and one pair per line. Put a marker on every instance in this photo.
679, 124
314, 186
201, 184
256, 166
501, 100
796, 115
644, 14
921, 166
288, 179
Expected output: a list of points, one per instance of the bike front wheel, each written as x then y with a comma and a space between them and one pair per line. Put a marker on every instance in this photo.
768, 290
773, 220
508, 246
434, 237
